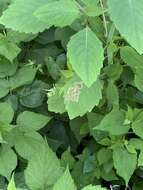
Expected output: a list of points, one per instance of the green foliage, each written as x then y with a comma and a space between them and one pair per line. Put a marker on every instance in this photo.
132, 17
8, 161
27, 144
30, 121
46, 169
6, 113
64, 182
59, 13
76, 94
84, 47
114, 123
90, 187
20, 16
71, 94
11, 185
123, 159
8, 49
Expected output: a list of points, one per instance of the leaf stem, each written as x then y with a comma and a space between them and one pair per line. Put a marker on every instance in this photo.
104, 19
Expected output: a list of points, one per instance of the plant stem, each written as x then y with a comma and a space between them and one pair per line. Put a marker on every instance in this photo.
104, 19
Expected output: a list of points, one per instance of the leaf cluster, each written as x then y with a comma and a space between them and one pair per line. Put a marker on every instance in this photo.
71, 94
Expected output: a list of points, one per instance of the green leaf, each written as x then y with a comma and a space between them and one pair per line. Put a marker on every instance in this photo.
8, 161
113, 71
104, 155
113, 97
109, 176
94, 120
31, 121
113, 123
76, 94
3, 5
27, 144
53, 68
89, 2
130, 22
125, 163
91, 8
91, 187
6, 113
23, 76
7, 68
4, 127
131, 57
86, 56
43, 169
136, 143
8, 49
140, 159
56, 101
65, 181
4, 87
137, 125
64, 34
18, 37
20, 16
33, 95
93, 11
67, 159
89, 164
11, 185
139, 78
59, 13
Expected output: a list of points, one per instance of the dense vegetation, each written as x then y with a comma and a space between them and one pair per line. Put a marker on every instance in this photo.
71, 94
